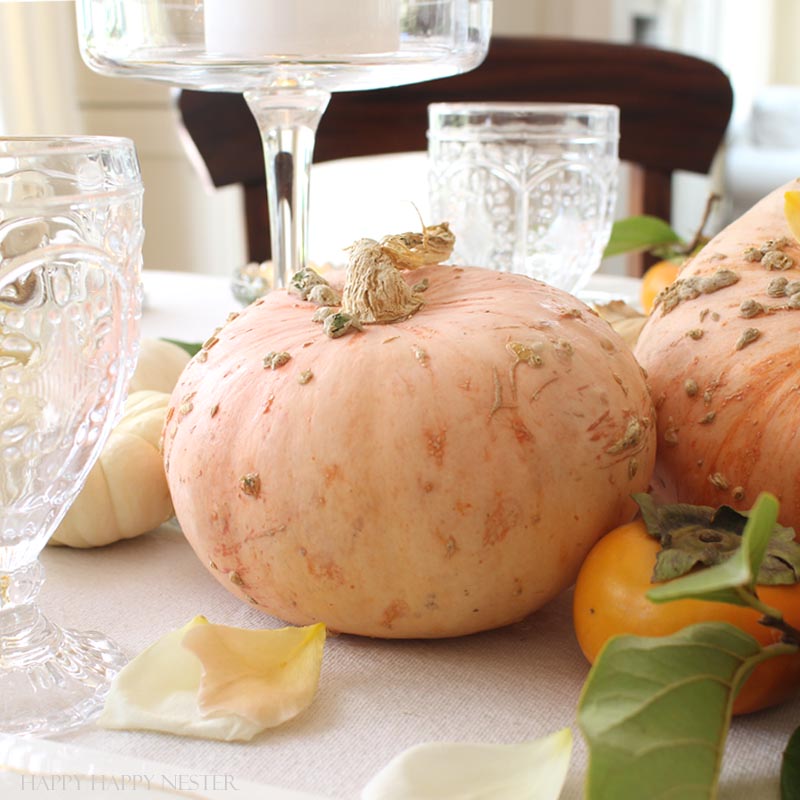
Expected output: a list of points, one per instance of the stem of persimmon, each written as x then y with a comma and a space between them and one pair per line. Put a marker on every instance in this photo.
772, 617
710, 203
789, 634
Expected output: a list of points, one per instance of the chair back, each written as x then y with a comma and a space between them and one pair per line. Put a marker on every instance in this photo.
674, 110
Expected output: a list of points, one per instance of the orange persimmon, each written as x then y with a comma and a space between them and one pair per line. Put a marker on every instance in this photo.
610, 599
657, 277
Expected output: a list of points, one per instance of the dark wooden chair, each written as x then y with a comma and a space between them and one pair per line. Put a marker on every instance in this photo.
674, 112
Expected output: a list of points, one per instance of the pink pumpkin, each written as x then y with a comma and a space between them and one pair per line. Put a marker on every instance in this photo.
721, 351
434, 476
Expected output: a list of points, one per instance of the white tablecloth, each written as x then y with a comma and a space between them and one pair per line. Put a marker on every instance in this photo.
376, 698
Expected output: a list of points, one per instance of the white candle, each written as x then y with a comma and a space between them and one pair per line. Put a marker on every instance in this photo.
301, 27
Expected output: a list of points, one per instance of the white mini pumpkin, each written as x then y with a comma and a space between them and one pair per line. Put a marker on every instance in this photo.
126, 493
159, 366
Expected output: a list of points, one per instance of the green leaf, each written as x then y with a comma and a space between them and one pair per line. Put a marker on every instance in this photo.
790, 769
192, 348
655, 711
758, 531
725, 582
639, 233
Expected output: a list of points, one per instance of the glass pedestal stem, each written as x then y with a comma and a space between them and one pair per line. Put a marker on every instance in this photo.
287, 120
22, 627
51, 679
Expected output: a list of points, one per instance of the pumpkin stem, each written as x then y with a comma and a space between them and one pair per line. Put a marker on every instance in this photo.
374, 290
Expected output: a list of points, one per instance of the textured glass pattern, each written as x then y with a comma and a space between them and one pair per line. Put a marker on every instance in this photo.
70, 304
526, 189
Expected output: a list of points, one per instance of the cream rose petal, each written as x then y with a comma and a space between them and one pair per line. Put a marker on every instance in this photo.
162, 689
266, 676
534, 770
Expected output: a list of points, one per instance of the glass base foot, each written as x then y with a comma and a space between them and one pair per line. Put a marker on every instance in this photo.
58, 685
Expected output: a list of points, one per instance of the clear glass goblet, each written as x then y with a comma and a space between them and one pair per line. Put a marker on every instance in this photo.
286, 56
70, 304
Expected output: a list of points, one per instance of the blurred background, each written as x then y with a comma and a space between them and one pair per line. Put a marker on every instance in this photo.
46, 89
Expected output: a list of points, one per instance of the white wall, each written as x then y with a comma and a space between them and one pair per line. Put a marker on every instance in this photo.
520, 17
786, 62
37, 49
189, 225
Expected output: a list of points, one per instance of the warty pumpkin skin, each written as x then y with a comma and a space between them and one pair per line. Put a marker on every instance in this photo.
725, 377
418, 479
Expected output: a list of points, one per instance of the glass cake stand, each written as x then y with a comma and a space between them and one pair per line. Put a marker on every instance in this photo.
286, 56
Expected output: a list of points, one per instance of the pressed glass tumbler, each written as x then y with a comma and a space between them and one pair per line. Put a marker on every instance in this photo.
526, 187
70, 303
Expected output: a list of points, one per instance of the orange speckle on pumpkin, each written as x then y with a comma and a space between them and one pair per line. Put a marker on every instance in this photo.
599, 421
228, 550
500, 521
322, 568
463, 508
521, 432
392, 612
332, 473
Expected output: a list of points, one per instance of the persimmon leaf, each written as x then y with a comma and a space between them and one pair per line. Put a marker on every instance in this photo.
655, 711
790, 769
192, 348
725, 582
639, 233
700, 536
758, 531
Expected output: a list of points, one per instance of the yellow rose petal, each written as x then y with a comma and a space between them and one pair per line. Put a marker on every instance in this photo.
266, 676
791, 208
216, 682
534, 770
